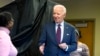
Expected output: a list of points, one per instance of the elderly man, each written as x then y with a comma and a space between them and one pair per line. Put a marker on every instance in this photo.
58, 37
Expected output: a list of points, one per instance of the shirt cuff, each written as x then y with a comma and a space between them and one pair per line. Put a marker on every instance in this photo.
66, 48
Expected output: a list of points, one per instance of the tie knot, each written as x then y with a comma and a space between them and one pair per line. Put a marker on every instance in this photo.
59, 24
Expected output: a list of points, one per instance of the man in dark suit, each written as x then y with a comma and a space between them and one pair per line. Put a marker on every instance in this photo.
57, 38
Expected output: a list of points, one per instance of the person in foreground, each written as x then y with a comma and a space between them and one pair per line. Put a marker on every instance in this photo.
82, 48
58, 38
6, 46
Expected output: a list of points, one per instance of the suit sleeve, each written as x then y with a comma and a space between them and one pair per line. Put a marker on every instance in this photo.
73, 43
42, 36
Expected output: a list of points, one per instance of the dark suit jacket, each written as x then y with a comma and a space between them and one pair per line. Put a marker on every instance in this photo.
48, 36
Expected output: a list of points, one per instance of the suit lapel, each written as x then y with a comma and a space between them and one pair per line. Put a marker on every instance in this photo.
65, 32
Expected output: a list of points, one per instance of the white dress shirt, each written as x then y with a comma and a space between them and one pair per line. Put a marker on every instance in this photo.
62, 31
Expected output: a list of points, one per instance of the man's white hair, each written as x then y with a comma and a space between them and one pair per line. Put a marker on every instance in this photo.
62, 6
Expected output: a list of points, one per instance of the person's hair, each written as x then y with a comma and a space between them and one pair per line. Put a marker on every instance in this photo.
78, 33
5, 18
62, 6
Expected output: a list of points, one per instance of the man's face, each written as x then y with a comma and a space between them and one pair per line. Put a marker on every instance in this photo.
58, 15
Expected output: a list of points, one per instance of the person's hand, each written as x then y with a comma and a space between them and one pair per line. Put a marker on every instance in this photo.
41, 48
63, 46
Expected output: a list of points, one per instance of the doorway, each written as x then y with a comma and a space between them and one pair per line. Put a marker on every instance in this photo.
87, 30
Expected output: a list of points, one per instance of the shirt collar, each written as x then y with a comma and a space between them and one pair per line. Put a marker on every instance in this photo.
5, 29
62, 23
